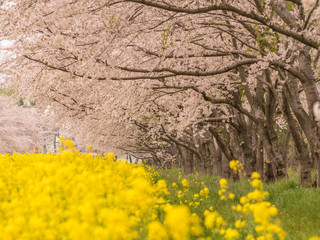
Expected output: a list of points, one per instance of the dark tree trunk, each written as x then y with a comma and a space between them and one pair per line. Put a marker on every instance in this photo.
303, 156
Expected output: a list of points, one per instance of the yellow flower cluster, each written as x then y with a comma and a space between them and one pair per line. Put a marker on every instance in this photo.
71, 195
213, 221
65, 144
74, 196
224, 192
185, 185
236, 166
197, 197
262, 212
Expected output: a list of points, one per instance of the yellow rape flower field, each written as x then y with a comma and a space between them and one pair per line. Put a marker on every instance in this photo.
71, 195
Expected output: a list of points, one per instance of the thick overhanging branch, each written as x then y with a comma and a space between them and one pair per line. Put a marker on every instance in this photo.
166, 72
172, 72
62, 69
216, 53
293, 71
226, 7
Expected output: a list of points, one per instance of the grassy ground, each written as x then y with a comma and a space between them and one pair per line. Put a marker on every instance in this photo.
299, 208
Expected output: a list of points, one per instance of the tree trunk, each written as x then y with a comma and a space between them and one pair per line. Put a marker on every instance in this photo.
217, 162
226, 171
303, 156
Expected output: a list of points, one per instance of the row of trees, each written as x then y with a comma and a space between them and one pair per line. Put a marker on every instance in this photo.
18, 133
193, 83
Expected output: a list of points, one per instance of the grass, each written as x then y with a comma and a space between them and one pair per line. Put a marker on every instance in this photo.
299, 207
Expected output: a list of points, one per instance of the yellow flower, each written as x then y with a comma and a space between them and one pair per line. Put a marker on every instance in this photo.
256, 183
231, 234
110, 157
250, 237
162, 187
180, 222
213, 221
240, 224
255, 175
206, 192
185, 183
243, 200
236, 166
223, 183
231, 195
68, 143
156, 231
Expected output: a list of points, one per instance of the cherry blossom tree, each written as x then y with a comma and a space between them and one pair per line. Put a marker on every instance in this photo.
191, 83
19, 127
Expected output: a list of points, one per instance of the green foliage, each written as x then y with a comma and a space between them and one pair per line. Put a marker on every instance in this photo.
299, 208
266, 39
263, 4
242, 91
25, 103
165, 38
21, 102
289, 6
6, 92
